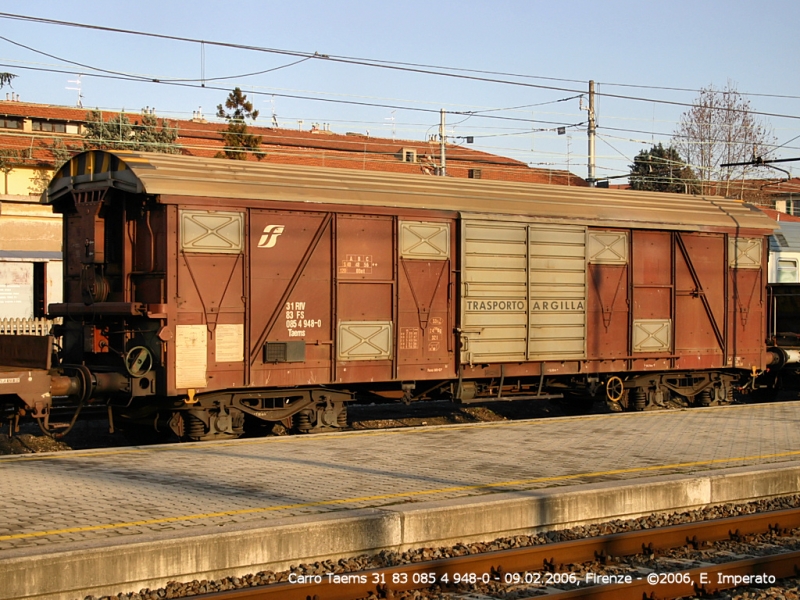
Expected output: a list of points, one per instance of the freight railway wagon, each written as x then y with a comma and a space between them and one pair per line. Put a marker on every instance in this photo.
199, 292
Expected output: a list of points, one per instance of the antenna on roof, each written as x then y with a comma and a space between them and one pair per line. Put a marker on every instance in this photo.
78, 89
391, 118
274, 114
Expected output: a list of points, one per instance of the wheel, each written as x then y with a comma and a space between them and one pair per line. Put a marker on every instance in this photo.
615, 389
138, 361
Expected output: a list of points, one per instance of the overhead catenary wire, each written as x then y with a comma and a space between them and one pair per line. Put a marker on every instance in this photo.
407, 67
146, 78
528, 131
388, 106
307, 57
411, 67
381, 61
299, 97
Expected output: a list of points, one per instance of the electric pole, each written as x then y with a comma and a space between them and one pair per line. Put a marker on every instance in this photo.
591, 131
443, 161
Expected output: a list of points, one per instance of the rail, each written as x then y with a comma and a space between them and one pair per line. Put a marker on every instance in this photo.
496, 566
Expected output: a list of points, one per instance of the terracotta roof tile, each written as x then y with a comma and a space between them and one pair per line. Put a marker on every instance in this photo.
291, 146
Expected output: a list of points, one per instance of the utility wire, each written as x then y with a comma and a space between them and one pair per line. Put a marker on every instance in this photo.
145, 77
406, 67
294, 96
553, 124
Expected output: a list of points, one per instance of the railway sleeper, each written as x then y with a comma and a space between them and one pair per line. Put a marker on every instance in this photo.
222, 415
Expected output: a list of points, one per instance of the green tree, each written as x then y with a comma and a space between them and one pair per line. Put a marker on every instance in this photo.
118, 133
238, 142
152, 136
114, 134
661, 170
61, 152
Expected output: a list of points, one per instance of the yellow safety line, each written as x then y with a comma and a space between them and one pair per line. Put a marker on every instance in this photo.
486, 486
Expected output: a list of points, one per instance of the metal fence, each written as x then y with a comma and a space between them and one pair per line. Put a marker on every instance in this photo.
26, 326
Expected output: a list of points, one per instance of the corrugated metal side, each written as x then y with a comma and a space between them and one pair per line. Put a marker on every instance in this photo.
494, 307
524, 291
171, 175
557, 300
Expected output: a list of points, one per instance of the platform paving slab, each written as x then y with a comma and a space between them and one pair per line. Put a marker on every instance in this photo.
108, 521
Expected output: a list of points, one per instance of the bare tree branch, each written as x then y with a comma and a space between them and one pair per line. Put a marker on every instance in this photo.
720, 128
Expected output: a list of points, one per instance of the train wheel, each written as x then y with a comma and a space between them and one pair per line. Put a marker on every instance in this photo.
330, 415
203, 424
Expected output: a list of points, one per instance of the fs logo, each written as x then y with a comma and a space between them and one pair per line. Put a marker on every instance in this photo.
270, 236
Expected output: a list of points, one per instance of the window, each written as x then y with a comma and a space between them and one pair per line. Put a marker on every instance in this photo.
10, 123
787, 270
50, 126
408, 155
474, 173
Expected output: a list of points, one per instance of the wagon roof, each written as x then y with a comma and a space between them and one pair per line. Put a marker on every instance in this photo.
168, 175
786, 238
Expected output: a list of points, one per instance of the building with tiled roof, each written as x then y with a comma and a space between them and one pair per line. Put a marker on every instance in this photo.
32, 129
34, 137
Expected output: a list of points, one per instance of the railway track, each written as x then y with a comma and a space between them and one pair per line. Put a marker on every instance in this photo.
585, 568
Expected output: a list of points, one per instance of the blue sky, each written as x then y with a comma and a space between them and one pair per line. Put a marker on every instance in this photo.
661, 52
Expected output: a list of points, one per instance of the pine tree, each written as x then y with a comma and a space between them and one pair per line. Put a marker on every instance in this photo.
150, 136
6, 78
238, 142
114, 134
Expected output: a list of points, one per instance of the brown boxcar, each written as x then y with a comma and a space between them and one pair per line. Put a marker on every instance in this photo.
199, 291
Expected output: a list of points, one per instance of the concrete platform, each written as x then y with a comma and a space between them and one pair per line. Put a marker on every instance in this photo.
107, 521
